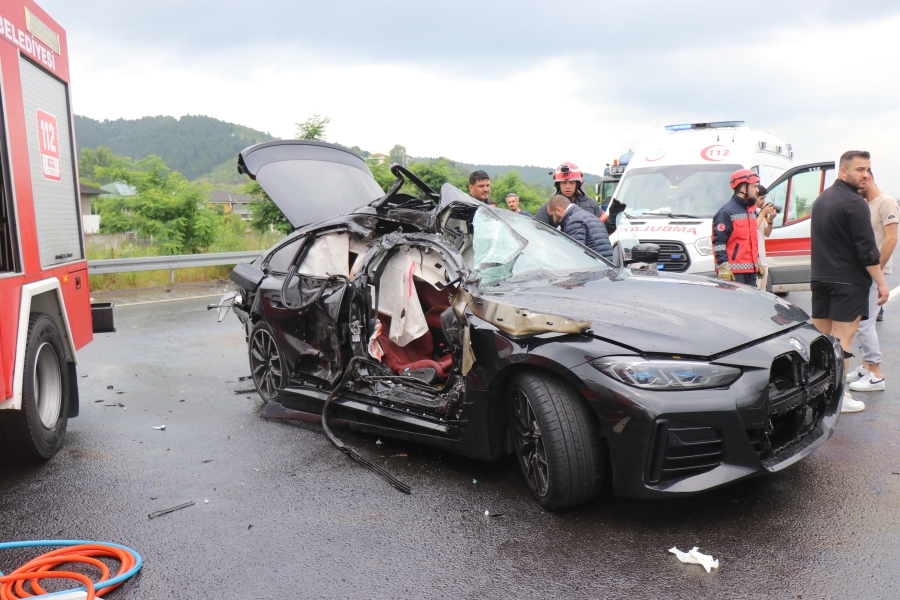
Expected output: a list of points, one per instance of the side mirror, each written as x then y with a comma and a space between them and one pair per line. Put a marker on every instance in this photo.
645, 253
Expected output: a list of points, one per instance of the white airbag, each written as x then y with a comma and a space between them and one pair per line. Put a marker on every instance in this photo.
329, 255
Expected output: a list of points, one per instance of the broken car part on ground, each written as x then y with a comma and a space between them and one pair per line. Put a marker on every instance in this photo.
486, 333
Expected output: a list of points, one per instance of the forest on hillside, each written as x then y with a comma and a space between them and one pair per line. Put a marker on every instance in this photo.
192, 145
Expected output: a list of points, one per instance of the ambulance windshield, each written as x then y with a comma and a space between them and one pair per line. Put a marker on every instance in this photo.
677, 190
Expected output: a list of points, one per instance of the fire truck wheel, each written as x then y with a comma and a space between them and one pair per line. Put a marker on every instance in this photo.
36, 432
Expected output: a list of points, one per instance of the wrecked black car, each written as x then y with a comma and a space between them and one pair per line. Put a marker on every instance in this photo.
428, 316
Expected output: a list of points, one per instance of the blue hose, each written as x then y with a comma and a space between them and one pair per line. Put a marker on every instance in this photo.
97, 586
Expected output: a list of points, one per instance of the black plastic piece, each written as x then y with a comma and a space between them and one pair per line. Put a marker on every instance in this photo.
247, 276
645, 253
73, 389
102, 317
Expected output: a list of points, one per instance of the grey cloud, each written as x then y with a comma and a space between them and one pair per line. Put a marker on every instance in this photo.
465, 34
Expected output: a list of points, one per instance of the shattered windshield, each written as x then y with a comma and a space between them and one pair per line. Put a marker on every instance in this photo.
507, 244
681, 190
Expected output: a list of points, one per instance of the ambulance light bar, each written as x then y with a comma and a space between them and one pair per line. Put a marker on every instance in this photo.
714, 125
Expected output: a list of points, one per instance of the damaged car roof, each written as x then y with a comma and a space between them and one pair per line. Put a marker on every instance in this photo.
310, 181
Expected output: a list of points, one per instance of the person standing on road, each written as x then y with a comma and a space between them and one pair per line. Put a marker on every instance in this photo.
480, 185
735, 237
844, 259
765, 214
580, 225
512, 202
885, 219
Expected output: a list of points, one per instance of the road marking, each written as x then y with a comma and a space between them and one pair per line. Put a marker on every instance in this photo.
171, 300
894, 293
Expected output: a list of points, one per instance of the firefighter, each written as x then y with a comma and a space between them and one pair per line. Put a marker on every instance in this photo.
569, 180
735, 238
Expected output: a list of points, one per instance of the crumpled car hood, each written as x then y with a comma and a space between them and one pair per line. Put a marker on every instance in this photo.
666, 314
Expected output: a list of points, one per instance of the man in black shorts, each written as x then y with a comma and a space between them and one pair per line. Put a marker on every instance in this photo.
844, 258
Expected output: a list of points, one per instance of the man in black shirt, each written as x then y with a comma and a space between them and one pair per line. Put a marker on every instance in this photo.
844, 258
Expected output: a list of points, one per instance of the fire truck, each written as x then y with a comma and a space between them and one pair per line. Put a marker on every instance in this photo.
45, 304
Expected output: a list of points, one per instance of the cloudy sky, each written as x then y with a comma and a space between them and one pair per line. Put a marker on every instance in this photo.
501, 82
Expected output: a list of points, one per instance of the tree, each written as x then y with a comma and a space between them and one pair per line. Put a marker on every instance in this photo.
313, 128
531, 195
398, 155
90, 160
266, 215
166, 206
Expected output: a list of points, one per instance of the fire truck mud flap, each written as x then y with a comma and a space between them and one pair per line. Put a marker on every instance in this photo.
102, 317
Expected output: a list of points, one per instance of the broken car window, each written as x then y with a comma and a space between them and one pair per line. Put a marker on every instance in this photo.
507, 244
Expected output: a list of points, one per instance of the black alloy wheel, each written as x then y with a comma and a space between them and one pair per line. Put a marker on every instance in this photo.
556, 438
529, 444
266, 363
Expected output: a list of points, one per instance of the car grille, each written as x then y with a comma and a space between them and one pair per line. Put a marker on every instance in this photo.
684, 449
673, 256
798, 395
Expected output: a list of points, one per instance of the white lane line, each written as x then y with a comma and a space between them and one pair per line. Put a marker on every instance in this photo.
894, 293
171, 300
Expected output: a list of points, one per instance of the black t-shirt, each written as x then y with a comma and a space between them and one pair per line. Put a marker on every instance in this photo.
842, 238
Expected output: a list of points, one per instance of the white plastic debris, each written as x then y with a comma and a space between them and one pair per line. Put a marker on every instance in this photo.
160, 428
695, 557
487, 513
378, 442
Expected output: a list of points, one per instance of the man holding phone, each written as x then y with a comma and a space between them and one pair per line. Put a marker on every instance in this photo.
765, 213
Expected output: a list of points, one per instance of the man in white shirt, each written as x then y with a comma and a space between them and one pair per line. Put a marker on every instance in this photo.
765, 214
885, 219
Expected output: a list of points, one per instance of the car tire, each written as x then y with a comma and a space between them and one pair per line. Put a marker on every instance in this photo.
556, 440
36, 432
267, 366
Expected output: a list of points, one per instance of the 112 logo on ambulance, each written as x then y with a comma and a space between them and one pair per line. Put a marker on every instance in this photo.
49, 146
715, 153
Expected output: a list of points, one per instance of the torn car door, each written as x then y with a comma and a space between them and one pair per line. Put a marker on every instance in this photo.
307, 309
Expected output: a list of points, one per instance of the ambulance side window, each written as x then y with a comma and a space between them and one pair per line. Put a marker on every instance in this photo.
778, 197
804, 189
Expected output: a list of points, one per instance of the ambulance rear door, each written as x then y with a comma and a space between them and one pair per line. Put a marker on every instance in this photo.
788, 247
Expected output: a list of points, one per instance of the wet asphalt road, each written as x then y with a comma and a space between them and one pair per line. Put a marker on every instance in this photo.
288, 516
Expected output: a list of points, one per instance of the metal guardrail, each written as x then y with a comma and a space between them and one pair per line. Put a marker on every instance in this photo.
161, 263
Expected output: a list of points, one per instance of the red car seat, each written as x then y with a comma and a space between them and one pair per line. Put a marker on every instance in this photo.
415, 355
433, 301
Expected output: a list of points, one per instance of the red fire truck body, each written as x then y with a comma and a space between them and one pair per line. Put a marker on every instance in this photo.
45, 308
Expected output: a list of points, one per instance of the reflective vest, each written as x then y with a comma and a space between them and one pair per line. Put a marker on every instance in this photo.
735, 239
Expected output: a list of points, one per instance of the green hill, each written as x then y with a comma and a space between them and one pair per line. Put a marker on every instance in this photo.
193, 145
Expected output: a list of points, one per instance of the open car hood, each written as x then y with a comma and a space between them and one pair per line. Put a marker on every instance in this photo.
310, 181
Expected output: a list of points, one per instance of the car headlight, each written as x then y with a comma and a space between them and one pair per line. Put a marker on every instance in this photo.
704, 246
666, 374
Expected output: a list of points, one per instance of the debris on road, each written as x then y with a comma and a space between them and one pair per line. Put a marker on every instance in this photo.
694, 557
160, 428
378, 442
109, 387
166, 511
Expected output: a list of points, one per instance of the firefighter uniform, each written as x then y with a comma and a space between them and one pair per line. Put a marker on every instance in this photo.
735, 239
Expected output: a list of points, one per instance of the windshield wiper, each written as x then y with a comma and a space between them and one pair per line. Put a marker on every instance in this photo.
682, 216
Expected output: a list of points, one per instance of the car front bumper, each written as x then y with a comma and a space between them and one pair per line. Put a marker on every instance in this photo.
665, 444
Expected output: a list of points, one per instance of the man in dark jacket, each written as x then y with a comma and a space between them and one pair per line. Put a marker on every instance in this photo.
844, 258
580, 225
569, 180
735, 238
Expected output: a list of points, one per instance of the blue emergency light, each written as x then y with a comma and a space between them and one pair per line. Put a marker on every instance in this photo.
713, 125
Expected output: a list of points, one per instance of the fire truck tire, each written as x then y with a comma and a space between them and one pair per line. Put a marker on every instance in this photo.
36, 432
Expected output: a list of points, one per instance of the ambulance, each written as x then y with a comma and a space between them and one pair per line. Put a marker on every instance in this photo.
45, 305
676, 182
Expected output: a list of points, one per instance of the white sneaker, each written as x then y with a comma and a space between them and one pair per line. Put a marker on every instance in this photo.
849, 405
868, 383
857, 374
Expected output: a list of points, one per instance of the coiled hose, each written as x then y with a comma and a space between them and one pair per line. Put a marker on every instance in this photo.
13, 586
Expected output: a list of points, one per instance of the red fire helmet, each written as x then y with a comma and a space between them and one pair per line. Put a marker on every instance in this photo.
743, 176
568, 172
